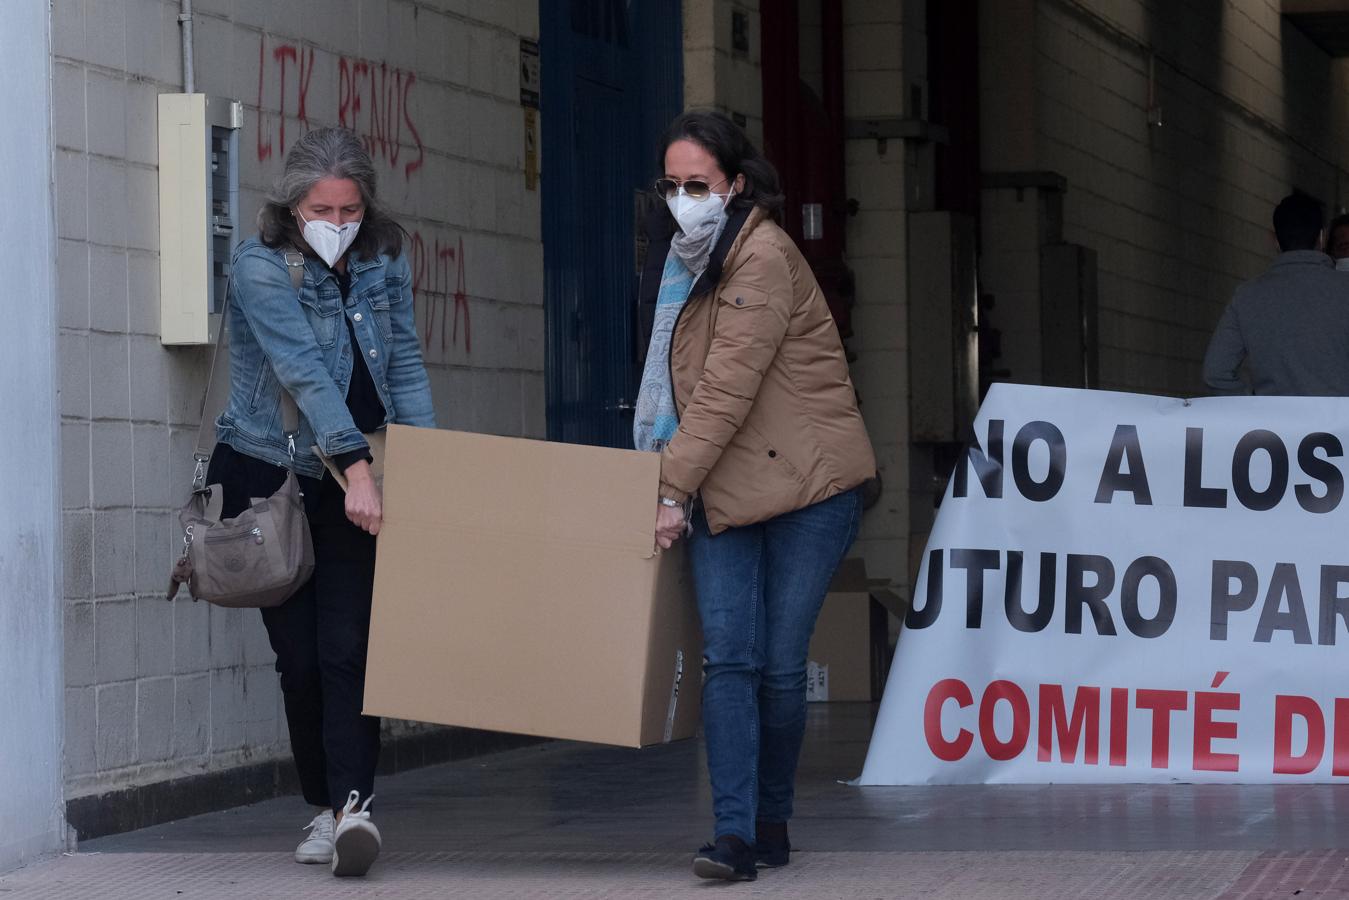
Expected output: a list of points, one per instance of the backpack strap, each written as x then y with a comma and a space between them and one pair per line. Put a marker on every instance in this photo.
290, 416
217, 387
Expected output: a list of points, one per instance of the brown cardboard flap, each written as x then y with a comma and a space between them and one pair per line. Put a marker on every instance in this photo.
673, 678
517, 589
551, 646
524, 490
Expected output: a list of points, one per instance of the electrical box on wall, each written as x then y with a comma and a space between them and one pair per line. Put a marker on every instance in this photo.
198, 213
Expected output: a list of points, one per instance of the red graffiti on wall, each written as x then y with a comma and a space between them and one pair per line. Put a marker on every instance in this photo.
434, 264
301, 59
372, 100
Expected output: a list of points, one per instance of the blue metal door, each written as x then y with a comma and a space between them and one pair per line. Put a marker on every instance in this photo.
612, 79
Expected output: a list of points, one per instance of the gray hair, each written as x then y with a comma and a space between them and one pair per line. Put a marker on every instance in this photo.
328, 153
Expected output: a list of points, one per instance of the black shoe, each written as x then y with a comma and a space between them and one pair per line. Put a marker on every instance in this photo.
771, 847
729, 859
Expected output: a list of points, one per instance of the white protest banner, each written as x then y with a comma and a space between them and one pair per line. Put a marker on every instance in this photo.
1123, 588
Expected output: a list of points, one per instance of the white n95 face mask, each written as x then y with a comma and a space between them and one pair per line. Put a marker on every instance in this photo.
691, 213
329, 241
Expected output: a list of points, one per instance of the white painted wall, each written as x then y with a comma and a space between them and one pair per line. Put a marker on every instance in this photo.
32, 820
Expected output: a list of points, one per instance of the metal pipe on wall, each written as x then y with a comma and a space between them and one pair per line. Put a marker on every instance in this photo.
185, 25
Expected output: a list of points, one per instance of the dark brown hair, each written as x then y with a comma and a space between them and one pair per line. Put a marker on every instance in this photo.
735, 155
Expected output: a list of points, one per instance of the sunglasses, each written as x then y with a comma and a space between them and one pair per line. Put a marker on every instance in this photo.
698, 190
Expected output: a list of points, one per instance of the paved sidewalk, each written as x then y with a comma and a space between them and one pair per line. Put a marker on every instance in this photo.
574, 820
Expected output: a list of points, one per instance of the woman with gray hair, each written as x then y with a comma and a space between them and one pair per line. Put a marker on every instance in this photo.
344, 348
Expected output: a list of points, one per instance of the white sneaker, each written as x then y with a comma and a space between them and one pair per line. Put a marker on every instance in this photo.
356, 842
318, 847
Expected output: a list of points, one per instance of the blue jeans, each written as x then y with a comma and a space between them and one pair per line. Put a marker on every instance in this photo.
760, 589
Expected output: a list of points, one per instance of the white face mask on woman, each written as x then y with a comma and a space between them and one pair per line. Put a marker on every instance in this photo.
691, 212
329, 241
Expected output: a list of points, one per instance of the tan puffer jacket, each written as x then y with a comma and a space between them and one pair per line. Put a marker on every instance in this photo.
768, 419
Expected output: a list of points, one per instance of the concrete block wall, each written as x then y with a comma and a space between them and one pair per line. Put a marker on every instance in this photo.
715, 74
1178, 214
876, 72
153, 690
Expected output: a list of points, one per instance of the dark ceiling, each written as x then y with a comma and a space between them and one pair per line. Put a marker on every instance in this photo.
1326, 22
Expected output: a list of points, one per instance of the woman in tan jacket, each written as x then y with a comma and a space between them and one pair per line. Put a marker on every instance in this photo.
746, 396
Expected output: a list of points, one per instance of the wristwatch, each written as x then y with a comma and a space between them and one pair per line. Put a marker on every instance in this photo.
674, 504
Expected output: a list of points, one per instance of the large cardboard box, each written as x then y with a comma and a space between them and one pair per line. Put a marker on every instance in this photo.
517, 588
850, 648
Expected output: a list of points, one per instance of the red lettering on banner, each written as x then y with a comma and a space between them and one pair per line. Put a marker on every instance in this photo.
947, 689
1285, 761
1054, 717
1162, 704
1119, 726
1079, 728
436, 264
996, 748
1340, 760
1206, 731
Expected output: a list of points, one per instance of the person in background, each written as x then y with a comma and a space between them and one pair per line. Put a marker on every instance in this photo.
1337, 241
1290, 325
346, 351
747, 397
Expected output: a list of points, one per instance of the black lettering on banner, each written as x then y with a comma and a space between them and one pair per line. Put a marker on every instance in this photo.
1223, 601
1124, 447
1333, 604
1144, 567
1283, 583
1322, 470
1250, 443
921, 618
1044, 611
1196, 495
1077, 593
989, 468
975, 563
1039, 491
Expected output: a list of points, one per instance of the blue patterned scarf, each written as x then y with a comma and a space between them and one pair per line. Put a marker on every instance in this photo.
657, 418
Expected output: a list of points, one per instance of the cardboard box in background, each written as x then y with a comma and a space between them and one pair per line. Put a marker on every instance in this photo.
850, 650
517, 588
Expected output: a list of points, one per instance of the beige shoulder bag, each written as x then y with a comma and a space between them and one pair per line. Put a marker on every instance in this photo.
263, 555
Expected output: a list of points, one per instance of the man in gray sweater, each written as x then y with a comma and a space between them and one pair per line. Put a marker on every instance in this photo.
1291, 324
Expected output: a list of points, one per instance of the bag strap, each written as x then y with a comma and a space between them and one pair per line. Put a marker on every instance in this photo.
216, 386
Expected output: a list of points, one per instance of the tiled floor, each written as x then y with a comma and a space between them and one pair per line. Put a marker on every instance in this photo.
573, 820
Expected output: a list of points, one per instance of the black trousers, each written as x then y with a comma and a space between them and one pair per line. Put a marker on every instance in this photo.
319, 635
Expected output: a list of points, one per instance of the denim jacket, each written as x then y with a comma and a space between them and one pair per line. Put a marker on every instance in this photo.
279, 338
